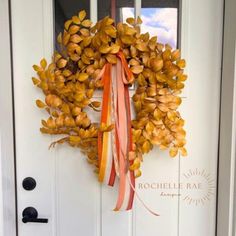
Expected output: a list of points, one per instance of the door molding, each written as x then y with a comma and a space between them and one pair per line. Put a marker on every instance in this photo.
226, 209
8, 225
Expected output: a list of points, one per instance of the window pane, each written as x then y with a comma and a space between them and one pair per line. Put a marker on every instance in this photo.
65, 9
160, 18
124, 9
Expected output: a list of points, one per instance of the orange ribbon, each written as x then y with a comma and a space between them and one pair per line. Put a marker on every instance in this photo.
122, 137
116, 108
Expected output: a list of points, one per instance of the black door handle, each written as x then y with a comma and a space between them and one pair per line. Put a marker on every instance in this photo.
30, 214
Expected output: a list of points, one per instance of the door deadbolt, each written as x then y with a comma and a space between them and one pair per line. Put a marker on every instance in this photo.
29, 183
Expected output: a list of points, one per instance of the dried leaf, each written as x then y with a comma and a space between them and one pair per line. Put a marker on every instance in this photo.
43, 63
130, 21
142, 47
67, 24
104, 48
173, 151
114, 48
139, 20
136, 69
82, 15
82, 77
111, 58
74, 29
40, 104
75, 38
86, 23
62, 63
181, 63
75, 20
35, 81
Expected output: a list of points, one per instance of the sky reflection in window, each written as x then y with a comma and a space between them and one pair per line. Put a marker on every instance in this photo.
160, 22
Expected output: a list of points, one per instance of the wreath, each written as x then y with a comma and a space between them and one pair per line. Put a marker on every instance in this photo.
111, 58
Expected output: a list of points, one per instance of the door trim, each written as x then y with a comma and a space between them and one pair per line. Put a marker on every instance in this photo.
226, 209
8, 222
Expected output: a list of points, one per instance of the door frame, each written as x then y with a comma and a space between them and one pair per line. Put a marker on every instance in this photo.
226, 197
8, 207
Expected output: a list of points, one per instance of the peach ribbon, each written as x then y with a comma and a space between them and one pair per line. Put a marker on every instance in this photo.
116, 108
116, 101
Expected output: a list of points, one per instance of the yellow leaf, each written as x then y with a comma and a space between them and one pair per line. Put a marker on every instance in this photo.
114, 48
35, 81
66, 73
85, 59
62, 63
149, 127
82, 77
181, 63
130, 21
130, 31
65, 38
40, 104
104, 48
146, 147
163, 107
86, 23
82, 15
87, 41
89, 52
75, 38
110, 30
182, 77
175, 55
69, 122
67, 24
134, 62
37, 68
59, 38
156, 64
127, 39
139, 20
85, 32
183, 151
53, 100
74, 29
51, 123
133, 51
173, 151
135, 165
75, 20
171, 115
136, 69
74, 139
142, 47
43, 63
137, 173
111, 58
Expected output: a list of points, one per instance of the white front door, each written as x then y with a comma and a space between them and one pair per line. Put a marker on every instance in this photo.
181, 190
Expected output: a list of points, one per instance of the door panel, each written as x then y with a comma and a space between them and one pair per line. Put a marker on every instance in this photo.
202, 50
67, 192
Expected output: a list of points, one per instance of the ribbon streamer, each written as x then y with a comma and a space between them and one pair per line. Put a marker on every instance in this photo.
116, 109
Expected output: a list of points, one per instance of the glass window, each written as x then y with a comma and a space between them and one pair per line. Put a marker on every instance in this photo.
123, 9
160, 18
65, 9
